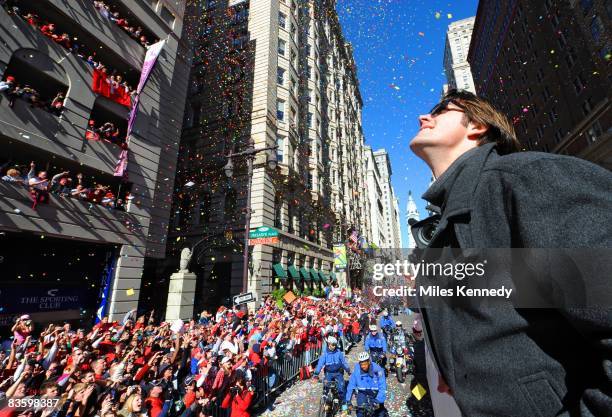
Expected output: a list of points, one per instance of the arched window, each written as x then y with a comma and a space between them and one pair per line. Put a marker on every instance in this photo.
229, 209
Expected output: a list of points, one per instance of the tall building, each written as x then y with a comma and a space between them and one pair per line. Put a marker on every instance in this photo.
546, 64
80, 244
279, 73
392, 225
456, 65
412, 215
378, 224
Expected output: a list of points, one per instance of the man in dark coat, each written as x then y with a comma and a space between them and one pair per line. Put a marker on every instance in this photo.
511, 361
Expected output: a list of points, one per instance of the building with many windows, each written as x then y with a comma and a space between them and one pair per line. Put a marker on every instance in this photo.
279, 73
456, 65
73, 230
546, 64
392, 226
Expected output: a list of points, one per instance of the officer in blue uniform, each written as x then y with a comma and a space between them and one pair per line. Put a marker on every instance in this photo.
376, 344
335, 364
369, 383
386, 323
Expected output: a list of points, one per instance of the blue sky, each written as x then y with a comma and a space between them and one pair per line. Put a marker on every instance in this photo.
399, 49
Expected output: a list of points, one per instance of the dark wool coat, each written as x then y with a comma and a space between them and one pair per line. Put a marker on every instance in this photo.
527, 362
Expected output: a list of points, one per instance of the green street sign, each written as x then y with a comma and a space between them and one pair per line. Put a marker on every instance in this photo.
263, 232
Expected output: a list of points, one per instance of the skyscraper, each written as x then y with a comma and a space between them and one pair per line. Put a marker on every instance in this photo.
412, 214
456, 65
546, 64
392, 227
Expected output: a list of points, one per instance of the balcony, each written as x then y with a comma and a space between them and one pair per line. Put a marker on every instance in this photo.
67, 218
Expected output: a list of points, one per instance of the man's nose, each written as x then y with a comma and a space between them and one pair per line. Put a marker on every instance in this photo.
423, 118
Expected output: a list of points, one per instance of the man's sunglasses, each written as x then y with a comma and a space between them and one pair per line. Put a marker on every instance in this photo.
442, 106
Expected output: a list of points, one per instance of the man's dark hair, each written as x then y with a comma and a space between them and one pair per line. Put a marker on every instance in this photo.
480, 110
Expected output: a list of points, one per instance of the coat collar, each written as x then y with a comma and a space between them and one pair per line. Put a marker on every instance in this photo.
452, 191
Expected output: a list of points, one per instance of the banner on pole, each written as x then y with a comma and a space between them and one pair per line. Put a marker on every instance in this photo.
339, 257
149, 62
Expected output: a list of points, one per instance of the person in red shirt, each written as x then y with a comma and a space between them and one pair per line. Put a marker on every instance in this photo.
239, 398
48, 30
154, 402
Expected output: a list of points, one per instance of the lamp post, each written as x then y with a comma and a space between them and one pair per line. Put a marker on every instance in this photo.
249, 153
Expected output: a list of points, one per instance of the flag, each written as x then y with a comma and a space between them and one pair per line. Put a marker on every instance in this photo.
107, 280
354, 236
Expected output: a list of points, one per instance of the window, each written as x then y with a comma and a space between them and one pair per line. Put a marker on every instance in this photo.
594, 132
546, 93
587, 107
278, 213
280, 151
540, 75
310, 95
280, 76
596, 28
558, 136
307, 50
570, 58
229, 209
578, 84
309, 119
205, 208
282, 19
167, 16
281, 47
586, 5
280, 110
309, 71
209, 4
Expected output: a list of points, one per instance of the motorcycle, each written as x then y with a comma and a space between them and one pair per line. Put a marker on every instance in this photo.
330, 400
402, 363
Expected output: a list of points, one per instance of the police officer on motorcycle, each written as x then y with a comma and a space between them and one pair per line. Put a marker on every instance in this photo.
386, 324
369, 383
376, 344
334, 362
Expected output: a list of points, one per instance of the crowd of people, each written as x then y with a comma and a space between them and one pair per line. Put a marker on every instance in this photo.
105, 82
140, 367
114, 16
14, 90
61, 184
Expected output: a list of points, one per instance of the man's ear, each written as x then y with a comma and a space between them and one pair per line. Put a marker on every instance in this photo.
476, 130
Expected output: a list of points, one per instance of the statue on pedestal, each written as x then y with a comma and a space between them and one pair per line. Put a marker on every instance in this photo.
184, 261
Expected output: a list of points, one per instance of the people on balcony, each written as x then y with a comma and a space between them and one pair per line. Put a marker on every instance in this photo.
114, 16
13, 90
105, 82
61, 184
107, 132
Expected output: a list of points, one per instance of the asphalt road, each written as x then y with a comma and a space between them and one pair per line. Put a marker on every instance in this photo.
302, 398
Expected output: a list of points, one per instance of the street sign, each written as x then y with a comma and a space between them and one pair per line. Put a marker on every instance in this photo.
263, 231
263, 241
244, 298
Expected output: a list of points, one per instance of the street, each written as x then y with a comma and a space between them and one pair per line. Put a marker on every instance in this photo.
302, 398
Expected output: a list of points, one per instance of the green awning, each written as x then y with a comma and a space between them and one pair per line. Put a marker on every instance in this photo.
293, 272
279, 271
333, 276
324, 276
315, 275
305, 273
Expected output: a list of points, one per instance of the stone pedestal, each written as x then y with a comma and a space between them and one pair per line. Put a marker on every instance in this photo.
181, 296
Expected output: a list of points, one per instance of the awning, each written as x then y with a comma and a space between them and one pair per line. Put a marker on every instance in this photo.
324, 276
279, 271
293, 272
315, 275
305, 274
333, 277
